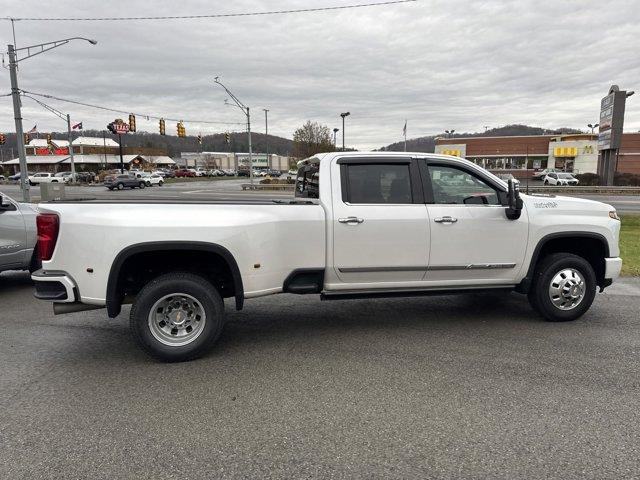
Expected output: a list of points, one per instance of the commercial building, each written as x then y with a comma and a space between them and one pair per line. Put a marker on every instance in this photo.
521, 155
231, 160
90, 154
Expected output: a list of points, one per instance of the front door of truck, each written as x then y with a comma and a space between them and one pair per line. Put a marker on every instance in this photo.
380, 227
472, 241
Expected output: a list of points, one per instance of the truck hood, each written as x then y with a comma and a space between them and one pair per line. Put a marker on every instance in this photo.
565, 204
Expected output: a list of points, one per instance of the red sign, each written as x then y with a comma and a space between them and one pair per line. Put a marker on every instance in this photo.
121, 127
56, 151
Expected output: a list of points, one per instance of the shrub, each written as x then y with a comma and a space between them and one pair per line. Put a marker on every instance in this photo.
588, 179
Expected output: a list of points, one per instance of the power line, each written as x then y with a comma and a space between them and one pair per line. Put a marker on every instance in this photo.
215, 15
126, 112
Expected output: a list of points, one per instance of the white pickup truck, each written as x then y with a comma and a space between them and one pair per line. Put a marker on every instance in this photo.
360, 225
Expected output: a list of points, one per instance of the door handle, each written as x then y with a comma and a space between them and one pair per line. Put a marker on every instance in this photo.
446, 219
351, 220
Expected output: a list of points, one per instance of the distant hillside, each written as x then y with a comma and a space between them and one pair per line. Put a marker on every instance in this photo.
175, 145
427, 144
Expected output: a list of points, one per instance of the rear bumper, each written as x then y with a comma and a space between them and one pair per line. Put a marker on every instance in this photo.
612, 267
57, 286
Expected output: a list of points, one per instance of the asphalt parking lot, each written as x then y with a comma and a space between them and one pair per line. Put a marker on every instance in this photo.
462, 386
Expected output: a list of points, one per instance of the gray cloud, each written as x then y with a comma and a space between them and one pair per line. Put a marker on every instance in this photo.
440, 64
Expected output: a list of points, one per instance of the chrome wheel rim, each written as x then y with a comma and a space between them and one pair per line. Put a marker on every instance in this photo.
177, 319
567, 289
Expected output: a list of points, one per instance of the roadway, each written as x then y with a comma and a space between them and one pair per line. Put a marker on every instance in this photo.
463, 386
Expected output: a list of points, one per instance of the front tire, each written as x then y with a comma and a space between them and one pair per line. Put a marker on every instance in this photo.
141, 185
120, 186
177, 317
160, 183
563, 287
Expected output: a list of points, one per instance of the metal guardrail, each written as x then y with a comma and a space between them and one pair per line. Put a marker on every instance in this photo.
268, 186
580, 189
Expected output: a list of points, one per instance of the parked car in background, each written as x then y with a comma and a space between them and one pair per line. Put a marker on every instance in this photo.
123, 180
150, 179
162, 173
184, 172
543, 173
229, 172
64, 176
272, 172
16, 177
168, 173
44, 177
293, 171
560, 178
17, 235
198, 172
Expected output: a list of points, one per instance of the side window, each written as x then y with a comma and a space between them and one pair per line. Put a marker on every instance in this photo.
308, 181
452, 185
378, 183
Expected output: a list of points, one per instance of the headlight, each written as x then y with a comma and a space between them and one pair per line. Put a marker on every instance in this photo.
613, 214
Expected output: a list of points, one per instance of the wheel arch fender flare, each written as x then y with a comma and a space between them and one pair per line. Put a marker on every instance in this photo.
525, 284
114, 302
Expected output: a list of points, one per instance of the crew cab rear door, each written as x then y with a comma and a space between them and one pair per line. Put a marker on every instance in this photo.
380, 226
472, 240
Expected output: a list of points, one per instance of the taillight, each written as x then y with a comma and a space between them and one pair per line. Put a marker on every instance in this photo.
48, 225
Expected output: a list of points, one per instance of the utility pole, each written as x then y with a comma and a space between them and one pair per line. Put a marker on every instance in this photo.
73, 165
266, 133
31, 51
343, 115
17, 114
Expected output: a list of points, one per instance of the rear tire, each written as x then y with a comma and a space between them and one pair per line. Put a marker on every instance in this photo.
160, 183
563, 287
164, 317
141, 185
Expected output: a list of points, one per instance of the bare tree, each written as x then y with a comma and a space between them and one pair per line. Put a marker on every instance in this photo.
310, 139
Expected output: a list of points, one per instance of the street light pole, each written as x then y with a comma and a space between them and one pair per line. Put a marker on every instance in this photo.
335, 134
15, 94
266, 133
343, 115
593, 126
245, 110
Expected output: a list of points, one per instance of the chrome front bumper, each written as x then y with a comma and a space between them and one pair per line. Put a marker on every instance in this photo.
612, 267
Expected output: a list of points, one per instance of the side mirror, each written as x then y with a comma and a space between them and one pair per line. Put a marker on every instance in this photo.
514, 201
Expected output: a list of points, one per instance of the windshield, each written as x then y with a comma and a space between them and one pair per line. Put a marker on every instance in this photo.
565, 175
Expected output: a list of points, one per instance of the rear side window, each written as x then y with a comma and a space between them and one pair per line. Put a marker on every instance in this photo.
378, 183
308, 181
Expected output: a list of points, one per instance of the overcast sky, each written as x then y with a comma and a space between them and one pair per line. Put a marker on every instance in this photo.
441, 64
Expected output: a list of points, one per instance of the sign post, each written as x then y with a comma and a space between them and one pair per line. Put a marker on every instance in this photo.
610, 132
119, 127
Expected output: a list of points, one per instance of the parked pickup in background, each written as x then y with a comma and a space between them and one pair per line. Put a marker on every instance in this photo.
360, 225
17, 235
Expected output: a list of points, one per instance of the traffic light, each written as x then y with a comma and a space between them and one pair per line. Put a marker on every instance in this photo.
27, 138
48, 139
200, 138
227, 138
3, 139
162, 130
181, 130
132, 122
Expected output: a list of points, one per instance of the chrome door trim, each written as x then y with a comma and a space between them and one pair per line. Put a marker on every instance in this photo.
473, 266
